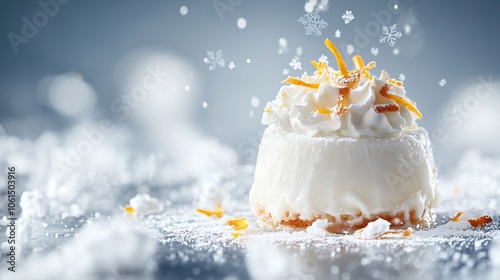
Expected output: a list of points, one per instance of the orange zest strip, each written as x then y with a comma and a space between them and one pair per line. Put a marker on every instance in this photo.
238, 224
384, 91
381, 108
456, 218
129, 210
407, 232
338, 57
396, 82
235, 234
324, 111
298, 82
358, 61
218, 211
342, 101
481, 221
315, 64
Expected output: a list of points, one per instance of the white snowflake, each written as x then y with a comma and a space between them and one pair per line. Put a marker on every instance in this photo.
214, 59
285, 71
313, 23
390, 35
337, 33
295, 64
402, 77
374, 51
231, 65
347, 17
442, 83
323, 58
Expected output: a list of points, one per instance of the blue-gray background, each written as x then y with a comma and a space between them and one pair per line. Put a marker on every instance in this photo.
452, 40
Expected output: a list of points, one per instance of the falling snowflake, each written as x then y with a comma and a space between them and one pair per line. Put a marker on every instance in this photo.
313, 23
374, 51
295, 64
214, 59
323, 58
285, 71
231, 65
442, 83
337, 33
390, 35
347, 17
402, 77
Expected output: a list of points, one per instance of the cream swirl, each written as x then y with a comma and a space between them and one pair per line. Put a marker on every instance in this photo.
352, 105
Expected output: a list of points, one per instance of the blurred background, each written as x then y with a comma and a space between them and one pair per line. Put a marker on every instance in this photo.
105, 102
164, 67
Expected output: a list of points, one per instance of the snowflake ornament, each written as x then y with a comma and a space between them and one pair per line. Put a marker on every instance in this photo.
347, 17
390, 35
295, 64
285, 71
313, 23
323, 59
374, 51
442, 83
337, 33
402, 77
231, 65
214, 59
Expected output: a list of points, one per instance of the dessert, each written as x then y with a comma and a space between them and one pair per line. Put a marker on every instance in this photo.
343, 146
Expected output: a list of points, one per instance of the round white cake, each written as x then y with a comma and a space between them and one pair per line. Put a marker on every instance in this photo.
343, 146
350, 182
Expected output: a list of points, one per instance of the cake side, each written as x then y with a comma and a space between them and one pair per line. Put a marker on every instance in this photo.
349, 181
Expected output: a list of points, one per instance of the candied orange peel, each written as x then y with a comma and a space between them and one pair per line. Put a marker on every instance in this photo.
480, 221
384, 91
381, 108
238, 224
338, 57
299, 82
324, 111
456, 218
346, 79
129, 210
217, 212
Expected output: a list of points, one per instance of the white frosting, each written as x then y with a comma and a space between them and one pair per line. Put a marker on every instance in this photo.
312, 176
295, 108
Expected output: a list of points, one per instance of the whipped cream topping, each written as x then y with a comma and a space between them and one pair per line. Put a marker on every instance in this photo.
352, 104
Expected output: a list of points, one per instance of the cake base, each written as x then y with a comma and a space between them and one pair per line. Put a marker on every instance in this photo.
348, 223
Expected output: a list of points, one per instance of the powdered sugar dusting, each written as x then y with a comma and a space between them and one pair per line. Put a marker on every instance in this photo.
373, 230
